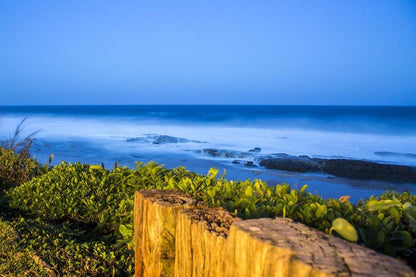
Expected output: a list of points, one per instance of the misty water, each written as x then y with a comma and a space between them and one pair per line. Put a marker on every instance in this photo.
129, 134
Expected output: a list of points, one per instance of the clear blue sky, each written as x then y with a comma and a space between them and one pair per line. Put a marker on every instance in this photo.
208, 52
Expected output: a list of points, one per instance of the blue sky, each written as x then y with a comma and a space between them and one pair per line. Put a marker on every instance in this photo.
208, 52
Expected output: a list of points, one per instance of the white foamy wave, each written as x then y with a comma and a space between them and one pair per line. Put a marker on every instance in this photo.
113, 133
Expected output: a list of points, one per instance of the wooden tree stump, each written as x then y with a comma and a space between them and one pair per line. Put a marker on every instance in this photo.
174, 236
282, 247
201, 234
155, 213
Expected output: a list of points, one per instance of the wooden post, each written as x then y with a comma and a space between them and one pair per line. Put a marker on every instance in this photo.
155, 214
201, 234
174, 236
282, 247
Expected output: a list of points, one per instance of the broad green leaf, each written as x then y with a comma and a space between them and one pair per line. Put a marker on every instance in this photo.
249, 192
407, 239
321, 211
345, 229
395, 214
374, 205
96, 167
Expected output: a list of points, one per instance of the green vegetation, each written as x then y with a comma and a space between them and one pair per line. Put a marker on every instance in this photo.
79, 217
16, 168
16, 260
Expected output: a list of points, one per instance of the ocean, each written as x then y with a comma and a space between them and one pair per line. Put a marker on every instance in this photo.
177, 135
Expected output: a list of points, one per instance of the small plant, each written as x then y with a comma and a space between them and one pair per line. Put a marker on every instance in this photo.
18, 144
16, 166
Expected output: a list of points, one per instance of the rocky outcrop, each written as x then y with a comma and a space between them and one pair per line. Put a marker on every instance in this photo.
287, 162
227, 153
161, 139
365, 170
353, 169
395, 154
255, 150
245, 163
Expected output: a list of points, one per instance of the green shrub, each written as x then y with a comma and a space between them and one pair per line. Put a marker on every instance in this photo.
104, 199
16, 260
16, 168
72, 250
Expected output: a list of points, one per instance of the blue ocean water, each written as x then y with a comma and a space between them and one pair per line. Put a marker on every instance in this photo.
368, 119
126, 134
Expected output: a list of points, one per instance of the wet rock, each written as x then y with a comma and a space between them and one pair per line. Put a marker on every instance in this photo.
395, 154
250, 164
138, 139
160, 139
163, 139
352, 169
355, 169
255, 150
226, 153
286, 162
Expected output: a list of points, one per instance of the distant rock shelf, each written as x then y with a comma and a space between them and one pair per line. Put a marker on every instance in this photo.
352, 169
227, 153
161, 139
395, 154
340, 167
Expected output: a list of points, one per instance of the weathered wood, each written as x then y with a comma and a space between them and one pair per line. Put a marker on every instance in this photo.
174, 236
155, 214
282, 247
200, 241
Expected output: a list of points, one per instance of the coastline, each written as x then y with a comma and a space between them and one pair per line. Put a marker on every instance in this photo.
237, 139
325, 185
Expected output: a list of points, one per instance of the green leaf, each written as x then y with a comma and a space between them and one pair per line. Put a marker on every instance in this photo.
407, 239
303, 188
345, 229
123, 230
380, 237
249, 192
374, 205
321, 211
395, 214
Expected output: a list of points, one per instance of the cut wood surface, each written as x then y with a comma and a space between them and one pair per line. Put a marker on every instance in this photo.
201, 234
176, 236
154, 230
282, 247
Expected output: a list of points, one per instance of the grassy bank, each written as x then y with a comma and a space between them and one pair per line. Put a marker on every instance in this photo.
78, 217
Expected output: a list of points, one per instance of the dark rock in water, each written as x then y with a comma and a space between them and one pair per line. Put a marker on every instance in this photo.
355, 169
226, 153
250, 164
138, 139
255, 150
162, 139
352, 169
291, 163
395, 154
245, 163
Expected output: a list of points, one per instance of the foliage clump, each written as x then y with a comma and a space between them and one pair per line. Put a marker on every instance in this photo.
16, 260
17, 168
16, 165
103, 200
